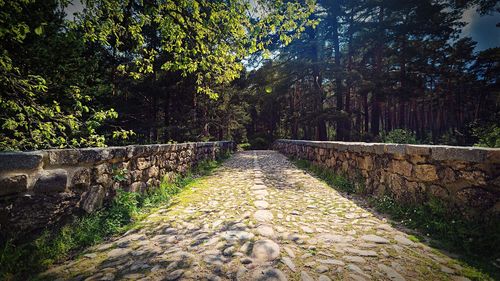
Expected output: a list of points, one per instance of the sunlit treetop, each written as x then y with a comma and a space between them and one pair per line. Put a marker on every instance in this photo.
206, 39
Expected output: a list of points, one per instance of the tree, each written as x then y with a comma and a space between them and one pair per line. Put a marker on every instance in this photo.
205, 39
204, 70
41, 63
381, 66
176, 50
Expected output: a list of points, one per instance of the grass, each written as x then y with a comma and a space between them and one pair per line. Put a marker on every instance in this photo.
244, 146
22, 262
476, 240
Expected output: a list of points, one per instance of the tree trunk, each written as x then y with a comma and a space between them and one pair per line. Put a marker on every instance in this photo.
321, 133
375, 116
338, 82
154, 112
347, 124
367, 116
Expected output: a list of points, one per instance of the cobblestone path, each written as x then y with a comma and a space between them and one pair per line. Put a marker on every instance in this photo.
258, 217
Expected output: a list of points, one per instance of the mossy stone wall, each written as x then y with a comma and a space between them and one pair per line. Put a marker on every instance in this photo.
41, 188
467, 178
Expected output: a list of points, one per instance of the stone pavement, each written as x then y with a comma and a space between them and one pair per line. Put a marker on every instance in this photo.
258, 217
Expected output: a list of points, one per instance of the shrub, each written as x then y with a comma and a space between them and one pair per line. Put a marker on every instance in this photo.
244, 146
400, 136
488, 135
449, 138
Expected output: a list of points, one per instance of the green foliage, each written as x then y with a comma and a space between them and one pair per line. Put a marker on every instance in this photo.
447, 138
122, 210
63, 82
57, 246
244, 146
204, 39
384, 69
10, 255
160, 194
400, 136
476, 239
44, 103
477, 236
488, 135
20, 262
227, 116
120, 174
60, 77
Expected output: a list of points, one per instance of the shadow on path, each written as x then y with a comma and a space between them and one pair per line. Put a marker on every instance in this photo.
258, 217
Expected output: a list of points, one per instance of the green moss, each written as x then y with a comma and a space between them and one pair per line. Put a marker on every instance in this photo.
413, 238
474, 274
312, 251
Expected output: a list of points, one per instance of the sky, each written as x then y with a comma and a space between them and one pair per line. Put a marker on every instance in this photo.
482, 29
74, 7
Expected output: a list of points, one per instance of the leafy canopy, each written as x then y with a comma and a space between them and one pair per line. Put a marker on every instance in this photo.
206, 39
51, 69
40, 106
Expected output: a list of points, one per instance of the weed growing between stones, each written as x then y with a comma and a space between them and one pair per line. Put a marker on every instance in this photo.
19, 262
244, 146
477, 240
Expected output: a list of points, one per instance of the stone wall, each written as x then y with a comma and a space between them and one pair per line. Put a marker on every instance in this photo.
41, 188
465, 177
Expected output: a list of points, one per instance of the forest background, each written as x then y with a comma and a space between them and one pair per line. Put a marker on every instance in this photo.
145, 71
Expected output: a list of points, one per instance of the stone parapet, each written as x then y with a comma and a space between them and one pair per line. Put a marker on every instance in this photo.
41, 188
465, 177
